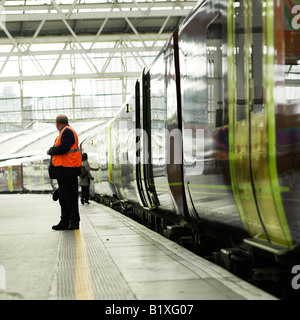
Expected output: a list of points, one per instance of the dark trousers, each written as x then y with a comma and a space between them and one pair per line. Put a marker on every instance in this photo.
68, 199
85, 194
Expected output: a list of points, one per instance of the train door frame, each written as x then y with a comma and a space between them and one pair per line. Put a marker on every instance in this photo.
175, 171
110, 167
147, 169
138, 153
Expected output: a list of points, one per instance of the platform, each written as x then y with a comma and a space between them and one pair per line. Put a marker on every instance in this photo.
111, 257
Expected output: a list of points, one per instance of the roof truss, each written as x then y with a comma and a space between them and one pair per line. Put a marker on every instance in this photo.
27, 25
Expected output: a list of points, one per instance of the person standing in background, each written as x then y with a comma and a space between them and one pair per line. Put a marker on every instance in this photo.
85, 178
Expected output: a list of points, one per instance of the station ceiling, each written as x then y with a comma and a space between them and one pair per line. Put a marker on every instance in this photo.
74, 43
80, 24
24, 18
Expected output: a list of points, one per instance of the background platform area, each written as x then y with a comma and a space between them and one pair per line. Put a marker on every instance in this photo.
111, 257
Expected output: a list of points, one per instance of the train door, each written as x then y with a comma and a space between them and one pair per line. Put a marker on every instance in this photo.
138, 126
147, 168
143, 169
110, 167
174, 124
203, 70
252, 144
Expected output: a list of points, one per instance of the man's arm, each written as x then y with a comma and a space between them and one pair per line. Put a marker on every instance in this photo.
67, 140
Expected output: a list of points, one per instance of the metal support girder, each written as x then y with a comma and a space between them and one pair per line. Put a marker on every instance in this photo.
73, 82
36, 64
96, 6
107, 75
99, 10
98, 33
124, 80
95, 15
15, 45
85, 38
160, 31
105, 65
134, 56
58, 59
12, 40
74, 35
135, 31
7, 58
36, 33
79, 51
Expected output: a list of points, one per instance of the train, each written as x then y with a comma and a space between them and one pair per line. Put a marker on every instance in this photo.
209, 138
207, 147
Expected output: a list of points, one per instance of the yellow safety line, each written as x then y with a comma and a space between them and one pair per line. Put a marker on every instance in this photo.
83, 283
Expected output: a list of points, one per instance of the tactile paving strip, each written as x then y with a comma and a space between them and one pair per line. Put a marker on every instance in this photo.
106, 280
63, 283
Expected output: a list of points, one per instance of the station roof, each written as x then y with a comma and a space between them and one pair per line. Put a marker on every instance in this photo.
72, 41
36, 19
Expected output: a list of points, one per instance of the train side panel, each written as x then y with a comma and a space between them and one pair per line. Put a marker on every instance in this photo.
128, 151
202, 56
116, 156
158, 102
287, 112
125, 156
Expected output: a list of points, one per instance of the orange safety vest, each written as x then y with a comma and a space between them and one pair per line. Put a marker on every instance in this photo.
70, 159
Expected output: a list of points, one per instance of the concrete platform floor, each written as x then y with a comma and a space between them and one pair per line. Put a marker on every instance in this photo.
111, 257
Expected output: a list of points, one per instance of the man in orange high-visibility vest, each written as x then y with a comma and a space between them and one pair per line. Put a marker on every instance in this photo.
65, 166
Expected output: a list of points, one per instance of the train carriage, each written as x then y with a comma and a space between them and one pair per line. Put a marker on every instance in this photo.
227, 82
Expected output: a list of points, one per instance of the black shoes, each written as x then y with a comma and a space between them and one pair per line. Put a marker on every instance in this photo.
64, 226
61, 226
73, 226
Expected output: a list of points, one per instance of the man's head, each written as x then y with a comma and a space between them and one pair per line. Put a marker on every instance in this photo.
60, 121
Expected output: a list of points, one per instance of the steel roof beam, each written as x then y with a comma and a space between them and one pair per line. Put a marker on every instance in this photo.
86, 38
96, 6
106, 75
78, 51
26, 17
86, 56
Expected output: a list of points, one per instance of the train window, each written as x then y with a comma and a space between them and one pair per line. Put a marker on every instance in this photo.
292, 83
214, 74
292, 52
241, 94
239, 60
257, 57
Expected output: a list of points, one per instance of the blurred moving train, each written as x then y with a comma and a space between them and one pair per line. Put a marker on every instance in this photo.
210, 136
26, 174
